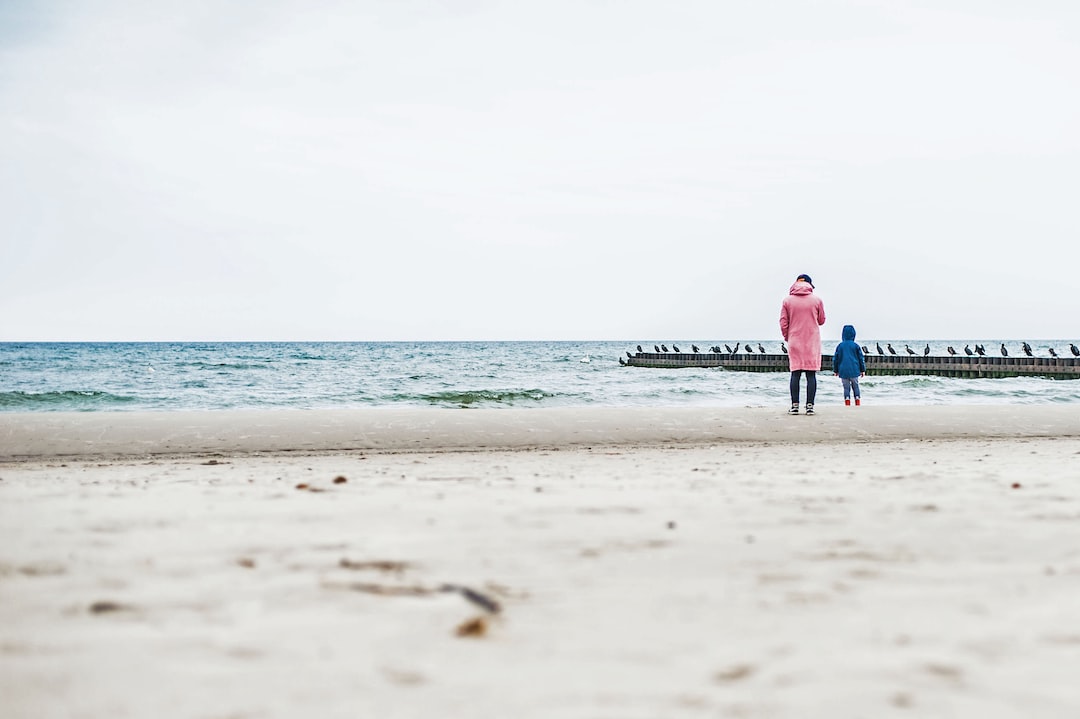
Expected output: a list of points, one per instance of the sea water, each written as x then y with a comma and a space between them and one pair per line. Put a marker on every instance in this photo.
310, 375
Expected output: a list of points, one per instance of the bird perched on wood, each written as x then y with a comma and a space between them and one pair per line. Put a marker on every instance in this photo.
889, 346
950, 350
622, 361
783, 348
760, 348
627, 354
1004, 352
736, 350
879, 350
694, 348
728, 348
639, 348
1027, 349
675, 347
663, 348
749, 349
926, 352
865, 350
1053, 352
967, 350
909, 350
656, 348
1074, 350
980, 350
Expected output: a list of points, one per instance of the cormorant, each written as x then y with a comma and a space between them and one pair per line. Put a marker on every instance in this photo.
675, 348
950, 350
728, 348
694, 348
980, 350
760, 348
967, 350
1074, 350
889, 346
879, 350
1027, 349
749, 349
909, 350
656, 348
1053, 352
639, 348
622, 361
926, 352
736, 350
663, 348
1004, 352
865, 350
783, 348
627, 354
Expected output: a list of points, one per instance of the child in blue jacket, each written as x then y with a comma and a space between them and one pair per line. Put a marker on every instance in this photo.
849, 365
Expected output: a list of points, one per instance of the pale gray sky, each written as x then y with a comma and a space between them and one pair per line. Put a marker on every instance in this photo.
566, 169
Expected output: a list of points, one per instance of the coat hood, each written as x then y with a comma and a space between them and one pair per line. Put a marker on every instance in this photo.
849, 333
801, 288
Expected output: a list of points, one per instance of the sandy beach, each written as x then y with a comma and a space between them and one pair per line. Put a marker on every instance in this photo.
870, 562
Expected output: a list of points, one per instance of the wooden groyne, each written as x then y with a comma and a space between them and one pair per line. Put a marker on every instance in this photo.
1055, 367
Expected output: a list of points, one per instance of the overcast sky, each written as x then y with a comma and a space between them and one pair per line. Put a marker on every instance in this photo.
406, 170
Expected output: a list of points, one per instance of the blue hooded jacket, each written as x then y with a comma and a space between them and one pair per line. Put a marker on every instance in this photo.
848, 360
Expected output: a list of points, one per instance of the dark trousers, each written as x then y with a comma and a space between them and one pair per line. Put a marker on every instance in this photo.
811, 385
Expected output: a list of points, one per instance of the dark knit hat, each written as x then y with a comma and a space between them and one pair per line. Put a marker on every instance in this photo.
806, 279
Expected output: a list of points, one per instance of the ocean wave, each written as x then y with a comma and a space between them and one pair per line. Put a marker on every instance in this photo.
472, 398
63, 400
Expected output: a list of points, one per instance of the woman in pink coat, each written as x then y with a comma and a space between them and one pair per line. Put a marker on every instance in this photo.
800, 317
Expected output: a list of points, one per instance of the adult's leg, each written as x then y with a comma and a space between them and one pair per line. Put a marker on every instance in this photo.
796, 375
811, 386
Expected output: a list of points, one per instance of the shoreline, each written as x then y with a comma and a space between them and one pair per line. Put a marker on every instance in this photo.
73, 435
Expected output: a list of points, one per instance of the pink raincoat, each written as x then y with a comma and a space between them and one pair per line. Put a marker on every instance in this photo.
800, 317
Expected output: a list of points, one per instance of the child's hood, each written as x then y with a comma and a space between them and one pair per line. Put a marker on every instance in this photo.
849, 333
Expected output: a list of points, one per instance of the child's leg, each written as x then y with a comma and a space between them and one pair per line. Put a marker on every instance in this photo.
847, 387
855, 387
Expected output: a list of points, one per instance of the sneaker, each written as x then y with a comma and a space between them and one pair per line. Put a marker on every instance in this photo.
848, 402
794, 409
809, 409
858, 401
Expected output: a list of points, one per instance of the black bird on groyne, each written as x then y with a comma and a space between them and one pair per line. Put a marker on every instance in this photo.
879, 350
694, 348
909, 350
1074, 350
1053, 352
749, 349
889, 346
967, 350
674, 347
950, 350
980, 350
783, 348
656, 348
622, 361
736, 350
1027, 349
729, 349
926, 352
865, 350
1004, 352
639, 348
663, 348
760, 348
628, 354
